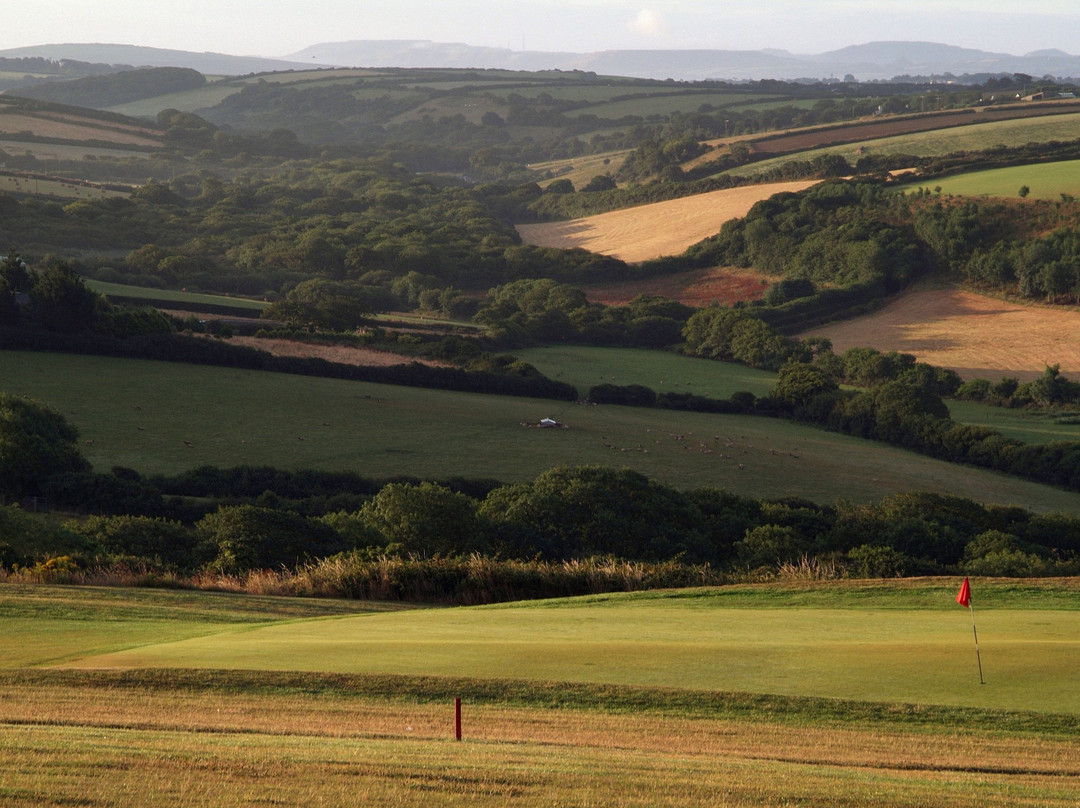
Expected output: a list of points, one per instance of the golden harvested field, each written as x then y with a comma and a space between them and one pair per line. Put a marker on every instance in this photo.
651, 231
975, 335
76, 128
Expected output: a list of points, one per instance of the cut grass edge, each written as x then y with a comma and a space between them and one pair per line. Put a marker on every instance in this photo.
547, 695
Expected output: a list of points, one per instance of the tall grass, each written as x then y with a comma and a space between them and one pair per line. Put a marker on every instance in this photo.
464, 581
468, 581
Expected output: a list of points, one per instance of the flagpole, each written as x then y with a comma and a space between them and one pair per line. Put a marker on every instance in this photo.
978, 656
965, 600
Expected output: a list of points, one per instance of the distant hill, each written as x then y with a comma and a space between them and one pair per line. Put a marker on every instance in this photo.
868, 62
874, 61
213, 64
117, 88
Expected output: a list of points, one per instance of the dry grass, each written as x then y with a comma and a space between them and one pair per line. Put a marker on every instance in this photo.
975, 335
698, 287
125, 745
651, 231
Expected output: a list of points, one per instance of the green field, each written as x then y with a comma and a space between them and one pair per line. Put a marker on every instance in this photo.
158, 417
186, 101
663, 371
1030, 426
124, 291
1044, 181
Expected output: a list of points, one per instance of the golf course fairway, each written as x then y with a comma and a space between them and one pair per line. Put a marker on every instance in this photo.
907, 643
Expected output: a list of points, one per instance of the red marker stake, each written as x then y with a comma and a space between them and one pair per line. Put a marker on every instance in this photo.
457, 719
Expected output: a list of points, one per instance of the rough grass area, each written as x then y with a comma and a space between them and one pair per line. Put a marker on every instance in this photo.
244, 743
975, 335
662, 228
158, 417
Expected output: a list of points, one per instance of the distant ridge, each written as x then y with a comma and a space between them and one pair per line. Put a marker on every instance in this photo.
873, 61
139, 56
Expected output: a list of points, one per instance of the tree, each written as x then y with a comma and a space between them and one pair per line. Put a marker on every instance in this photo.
61, 301
244, 537
36, 444
322, 303
425, 519
798, 383
601, 182
15, 281
592, 511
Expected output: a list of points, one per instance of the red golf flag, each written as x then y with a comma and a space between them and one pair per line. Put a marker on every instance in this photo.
964, 596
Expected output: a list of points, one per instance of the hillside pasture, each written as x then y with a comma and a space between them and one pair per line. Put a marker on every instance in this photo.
979, 135
44, 185
178, 299
75, 128
975, 335
1043, 180
585, 366
184, 101
1030, 426
157, 417
662, 228
579, 170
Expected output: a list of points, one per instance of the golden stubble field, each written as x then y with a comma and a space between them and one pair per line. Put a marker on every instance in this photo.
662, 228
975, 335
74, 128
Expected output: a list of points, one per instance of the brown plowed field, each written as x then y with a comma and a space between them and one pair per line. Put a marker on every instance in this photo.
342, 354
977, 336
698, 288
651, 231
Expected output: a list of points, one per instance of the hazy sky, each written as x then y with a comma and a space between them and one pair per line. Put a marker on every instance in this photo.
281, 27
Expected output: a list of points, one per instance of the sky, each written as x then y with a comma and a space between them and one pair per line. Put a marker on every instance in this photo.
282, 27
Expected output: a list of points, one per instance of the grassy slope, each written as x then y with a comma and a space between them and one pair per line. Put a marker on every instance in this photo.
124, 291
1044, 181
664, 372
1030, 426
45, 625
140, 413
